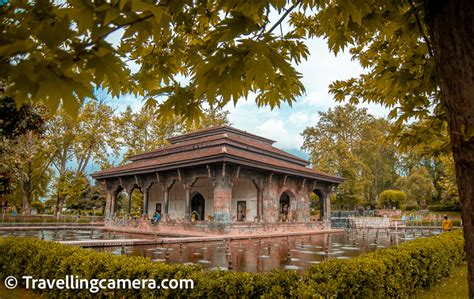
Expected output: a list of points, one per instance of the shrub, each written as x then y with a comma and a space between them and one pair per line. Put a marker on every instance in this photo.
394, 272
38, 205
409, 207
444, 208
392, 198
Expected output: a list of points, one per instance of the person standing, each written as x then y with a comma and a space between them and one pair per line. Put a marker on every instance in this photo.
447, 225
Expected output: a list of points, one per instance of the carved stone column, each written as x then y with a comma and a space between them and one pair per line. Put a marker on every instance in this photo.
108, 202
188, 184
166, 187
260, 204
187, 201
325, 203
129, 200
145, 189
259, 185
327, 214
222, 197
113, 204
322, 204
271, 192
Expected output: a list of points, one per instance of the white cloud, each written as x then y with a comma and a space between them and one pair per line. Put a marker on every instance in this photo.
277, 130
320, 100
299, 118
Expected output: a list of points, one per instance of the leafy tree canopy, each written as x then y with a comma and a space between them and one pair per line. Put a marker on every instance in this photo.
418, 187
63, 51
392, 198
142, 131
350, 142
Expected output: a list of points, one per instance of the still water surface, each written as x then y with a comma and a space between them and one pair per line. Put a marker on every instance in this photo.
255, 255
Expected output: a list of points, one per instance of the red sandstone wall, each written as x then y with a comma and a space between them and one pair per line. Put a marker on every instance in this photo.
299, 199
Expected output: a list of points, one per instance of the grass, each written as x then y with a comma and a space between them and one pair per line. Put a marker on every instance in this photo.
19, 293
453, 287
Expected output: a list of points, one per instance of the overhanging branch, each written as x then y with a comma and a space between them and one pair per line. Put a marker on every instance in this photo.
280, 20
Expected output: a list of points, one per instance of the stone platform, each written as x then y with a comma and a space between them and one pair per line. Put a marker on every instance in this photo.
185, 239
206, 228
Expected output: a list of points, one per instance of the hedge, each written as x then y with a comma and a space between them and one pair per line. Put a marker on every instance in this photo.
397, 271
409, 207
438, 223
444, 208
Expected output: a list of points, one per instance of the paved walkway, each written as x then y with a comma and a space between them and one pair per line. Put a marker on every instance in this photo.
110, 243
195, 239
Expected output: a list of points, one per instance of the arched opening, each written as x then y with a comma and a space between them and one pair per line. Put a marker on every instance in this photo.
198, 204
136, 204
121, 202
244, 200
116, 200
285, 209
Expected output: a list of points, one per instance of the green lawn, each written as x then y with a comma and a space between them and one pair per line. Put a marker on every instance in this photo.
452, 287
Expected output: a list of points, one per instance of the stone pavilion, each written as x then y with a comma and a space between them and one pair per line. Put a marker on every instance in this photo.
221, 180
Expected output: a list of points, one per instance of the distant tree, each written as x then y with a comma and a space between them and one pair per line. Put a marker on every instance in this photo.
122, 203
449, 188
418, 187
392, 199
71, 188
75, 143
38, 206
143, 131
137, 202
349, 142
24, 157
91, 198
314, 203
378, 152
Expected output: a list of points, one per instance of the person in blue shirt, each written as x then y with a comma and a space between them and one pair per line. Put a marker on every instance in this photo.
156, 218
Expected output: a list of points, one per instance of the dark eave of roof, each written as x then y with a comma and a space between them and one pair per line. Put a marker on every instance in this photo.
235, 156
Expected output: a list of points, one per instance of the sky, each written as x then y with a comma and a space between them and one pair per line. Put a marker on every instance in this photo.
285, 124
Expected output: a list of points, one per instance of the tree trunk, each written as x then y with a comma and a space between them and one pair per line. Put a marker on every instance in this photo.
26, 188
452, 36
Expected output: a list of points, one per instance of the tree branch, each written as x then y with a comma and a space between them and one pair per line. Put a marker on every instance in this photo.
287, 12
420, 28
105, 34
